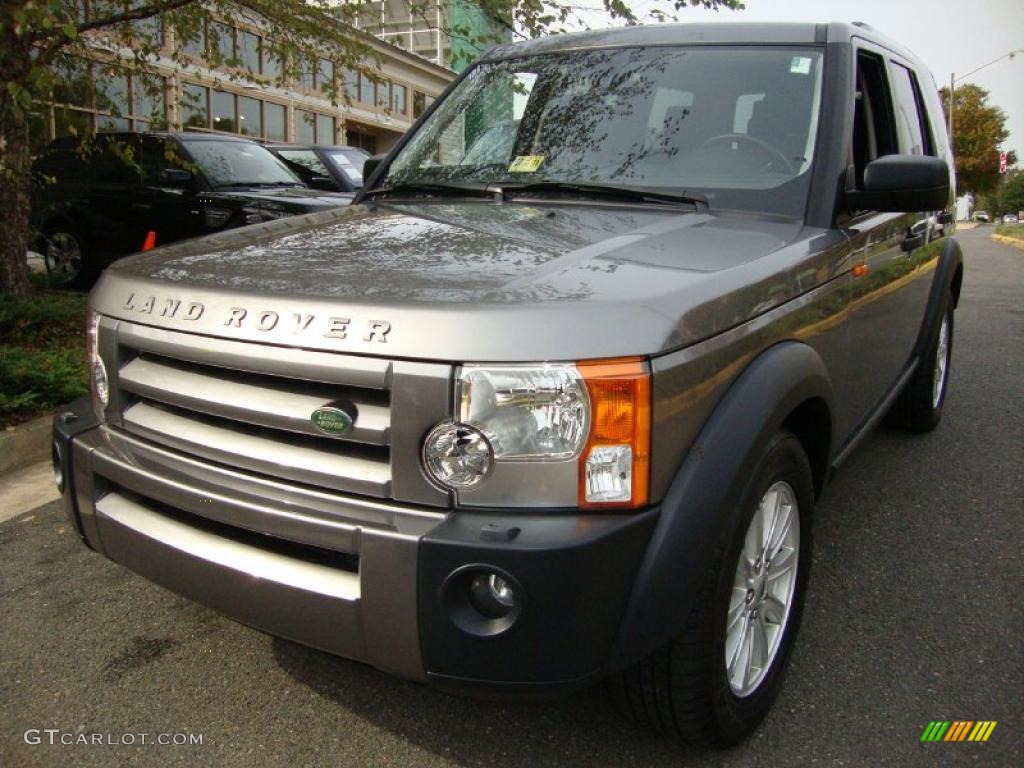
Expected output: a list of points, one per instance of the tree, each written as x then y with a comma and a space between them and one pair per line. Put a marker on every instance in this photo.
36, 36
978, 130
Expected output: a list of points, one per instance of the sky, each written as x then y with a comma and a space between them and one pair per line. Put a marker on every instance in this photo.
948, 36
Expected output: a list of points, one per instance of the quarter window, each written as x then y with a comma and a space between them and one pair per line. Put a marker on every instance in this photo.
907, 103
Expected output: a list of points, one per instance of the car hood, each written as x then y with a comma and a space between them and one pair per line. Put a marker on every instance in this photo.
470, 280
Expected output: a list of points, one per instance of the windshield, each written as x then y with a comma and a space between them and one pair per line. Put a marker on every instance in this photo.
350, 162
306, 158
238, 163
734, 124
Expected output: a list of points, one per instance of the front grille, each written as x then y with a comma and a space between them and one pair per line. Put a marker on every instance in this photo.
249, 406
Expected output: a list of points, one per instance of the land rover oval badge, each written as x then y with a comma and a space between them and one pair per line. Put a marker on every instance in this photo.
334, 419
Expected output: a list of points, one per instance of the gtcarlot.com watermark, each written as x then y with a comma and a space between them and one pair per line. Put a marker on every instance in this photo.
57, 737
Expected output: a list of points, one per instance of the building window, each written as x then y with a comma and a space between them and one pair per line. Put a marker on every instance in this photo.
419, 103
361, 140
351, 85
274, 121
71, 122
148, 30
112, 92
222, 40
195, 107
149, 102
366, 86
223, 108
74, 82
249, 50
305, 127
383, 94
398, 98
325, 75
195, 44
307, 74
272, 62
249, 122
326, 133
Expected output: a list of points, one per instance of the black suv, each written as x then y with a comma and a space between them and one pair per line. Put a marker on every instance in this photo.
324, 166
126, 192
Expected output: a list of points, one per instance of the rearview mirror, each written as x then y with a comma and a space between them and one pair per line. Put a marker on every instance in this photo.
370, 166
902, 183
175, 177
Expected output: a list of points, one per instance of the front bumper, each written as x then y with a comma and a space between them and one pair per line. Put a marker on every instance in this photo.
362, 579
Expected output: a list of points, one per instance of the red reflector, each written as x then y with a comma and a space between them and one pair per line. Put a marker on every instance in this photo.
150, 242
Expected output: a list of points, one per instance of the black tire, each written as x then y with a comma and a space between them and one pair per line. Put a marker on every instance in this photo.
917, 408
57, 240
683, 689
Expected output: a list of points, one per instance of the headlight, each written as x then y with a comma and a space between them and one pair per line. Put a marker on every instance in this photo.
98, 385
550, 435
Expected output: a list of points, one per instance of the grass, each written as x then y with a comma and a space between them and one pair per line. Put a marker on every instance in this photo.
42, 352
1016, 231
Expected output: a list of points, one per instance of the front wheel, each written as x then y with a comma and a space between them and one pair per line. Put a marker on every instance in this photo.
67, 257
717, 681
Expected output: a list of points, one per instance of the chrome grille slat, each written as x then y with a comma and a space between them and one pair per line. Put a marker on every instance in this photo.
260, 453
307, 365
280, 404
248, 406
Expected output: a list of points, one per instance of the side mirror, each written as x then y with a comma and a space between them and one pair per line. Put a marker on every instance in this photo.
370, 167
175, 177
324, 183
902, 184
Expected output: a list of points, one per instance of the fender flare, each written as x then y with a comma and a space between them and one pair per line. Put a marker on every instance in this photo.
702, 503
948, 277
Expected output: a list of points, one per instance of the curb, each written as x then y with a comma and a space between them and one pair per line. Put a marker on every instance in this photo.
1015, 242
26, 444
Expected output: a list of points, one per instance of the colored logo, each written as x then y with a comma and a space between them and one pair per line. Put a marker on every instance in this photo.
958, 730
332, 420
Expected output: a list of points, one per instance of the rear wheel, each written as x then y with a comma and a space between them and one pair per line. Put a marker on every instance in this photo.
715, 683
919, 406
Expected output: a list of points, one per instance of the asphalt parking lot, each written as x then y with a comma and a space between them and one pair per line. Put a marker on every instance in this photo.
914, 614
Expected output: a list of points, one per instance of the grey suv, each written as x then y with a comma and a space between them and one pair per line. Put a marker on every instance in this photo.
557, 410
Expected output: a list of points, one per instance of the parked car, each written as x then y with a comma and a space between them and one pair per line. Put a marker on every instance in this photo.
95, 203
327, 167
1009, 218
515, 426
981, 216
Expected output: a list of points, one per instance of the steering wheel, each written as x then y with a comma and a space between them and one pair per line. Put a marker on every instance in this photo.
763, 145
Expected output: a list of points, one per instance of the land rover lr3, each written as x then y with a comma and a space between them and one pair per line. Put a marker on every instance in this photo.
553, 401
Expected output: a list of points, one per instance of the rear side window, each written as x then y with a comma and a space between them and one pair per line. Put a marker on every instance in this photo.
910, 122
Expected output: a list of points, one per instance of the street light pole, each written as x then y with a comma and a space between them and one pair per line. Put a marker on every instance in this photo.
953, 79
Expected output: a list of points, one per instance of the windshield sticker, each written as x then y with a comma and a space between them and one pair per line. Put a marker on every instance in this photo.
800, 65
526, 163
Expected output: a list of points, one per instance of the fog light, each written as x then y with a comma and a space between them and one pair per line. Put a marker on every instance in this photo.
58, 466
492, 595
482, 600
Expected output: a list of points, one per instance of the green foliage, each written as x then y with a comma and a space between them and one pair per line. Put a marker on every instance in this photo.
42, 353
1016, 231
35, 381
978, 130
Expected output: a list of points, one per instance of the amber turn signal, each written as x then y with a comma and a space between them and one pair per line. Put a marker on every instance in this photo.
614, 468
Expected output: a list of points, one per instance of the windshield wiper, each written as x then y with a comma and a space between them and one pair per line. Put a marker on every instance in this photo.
432, 189
609, 191
243, 184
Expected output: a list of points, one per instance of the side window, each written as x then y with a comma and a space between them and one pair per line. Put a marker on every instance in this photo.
115, 161
910, 124
874, 130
